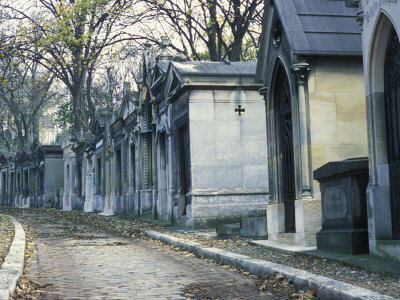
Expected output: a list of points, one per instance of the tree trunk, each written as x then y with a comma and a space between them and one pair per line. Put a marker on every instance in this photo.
89, 96
212, 31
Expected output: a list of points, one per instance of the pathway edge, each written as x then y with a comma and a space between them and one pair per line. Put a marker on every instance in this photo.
13, 265
326, 288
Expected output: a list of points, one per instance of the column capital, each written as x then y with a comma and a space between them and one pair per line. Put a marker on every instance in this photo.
301, 72
360, 18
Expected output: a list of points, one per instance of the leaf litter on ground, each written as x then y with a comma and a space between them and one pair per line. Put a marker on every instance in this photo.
81, 225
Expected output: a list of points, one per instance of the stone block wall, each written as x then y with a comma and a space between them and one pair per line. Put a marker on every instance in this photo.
228, 154
337, 111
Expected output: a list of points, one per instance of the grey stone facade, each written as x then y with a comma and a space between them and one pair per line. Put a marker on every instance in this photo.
32, 178
380, 23
192, 154
311, 69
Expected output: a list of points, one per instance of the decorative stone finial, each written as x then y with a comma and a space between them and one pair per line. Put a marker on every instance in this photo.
165, 55
301, 72
164, 42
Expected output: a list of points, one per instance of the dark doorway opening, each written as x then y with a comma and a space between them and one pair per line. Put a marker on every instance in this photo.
4, 187
162, 185
118, 174
285, 135
133, 161
79, 183
26, 184
392, 107
12, 188
41, 182
99, 190
184, 163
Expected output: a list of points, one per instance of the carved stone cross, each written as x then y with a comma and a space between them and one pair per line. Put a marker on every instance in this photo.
240, 110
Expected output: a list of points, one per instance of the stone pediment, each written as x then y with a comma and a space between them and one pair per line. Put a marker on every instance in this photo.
128, 106
5, 156
310, 27
173, 82
68, 138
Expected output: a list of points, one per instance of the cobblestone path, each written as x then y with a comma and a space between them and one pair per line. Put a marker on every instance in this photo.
80, 263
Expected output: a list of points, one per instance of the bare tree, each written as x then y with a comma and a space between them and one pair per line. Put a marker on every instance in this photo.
24, 94
222, 26
68, 38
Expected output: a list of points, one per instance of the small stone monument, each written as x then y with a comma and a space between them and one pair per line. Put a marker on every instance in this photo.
343, 187
255, 224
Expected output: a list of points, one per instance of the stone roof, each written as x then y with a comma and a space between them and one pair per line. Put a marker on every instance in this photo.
320, 27
5, 155
163, 65
216, 68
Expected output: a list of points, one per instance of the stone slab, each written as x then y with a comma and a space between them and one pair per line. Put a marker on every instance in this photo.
346, 241
282, 247
326, 288
365, 261
341, 168
13, 264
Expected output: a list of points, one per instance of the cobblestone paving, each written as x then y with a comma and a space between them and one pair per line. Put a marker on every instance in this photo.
96, 265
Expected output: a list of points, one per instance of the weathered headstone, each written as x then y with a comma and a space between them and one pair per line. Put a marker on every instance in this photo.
344, 213
255, 224
228, 229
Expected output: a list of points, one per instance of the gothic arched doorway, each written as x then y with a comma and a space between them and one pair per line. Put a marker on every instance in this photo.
392, 107
283, 106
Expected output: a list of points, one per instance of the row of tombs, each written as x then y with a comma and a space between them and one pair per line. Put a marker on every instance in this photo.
304, 144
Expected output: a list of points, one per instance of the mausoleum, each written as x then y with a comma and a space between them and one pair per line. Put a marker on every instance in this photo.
310, 65
380, 23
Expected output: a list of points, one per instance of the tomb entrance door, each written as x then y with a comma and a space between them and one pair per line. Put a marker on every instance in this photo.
285, 135
392, 107
184, 159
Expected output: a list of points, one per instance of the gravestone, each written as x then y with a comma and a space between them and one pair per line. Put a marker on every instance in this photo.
343, 187
255, 224
228, 229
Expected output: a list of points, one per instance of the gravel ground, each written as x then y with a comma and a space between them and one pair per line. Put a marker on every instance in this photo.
378, 282
6, 236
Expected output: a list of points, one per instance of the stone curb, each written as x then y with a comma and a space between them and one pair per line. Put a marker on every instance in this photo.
13, 265
326, 288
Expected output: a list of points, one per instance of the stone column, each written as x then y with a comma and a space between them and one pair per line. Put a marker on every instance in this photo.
72, 185
154, 180
129, 174
8, 186
124, 176
138, 200
171, 174
114, 179
88, 206
107, 184
301, 72
108, 207
92, 183
66, 184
